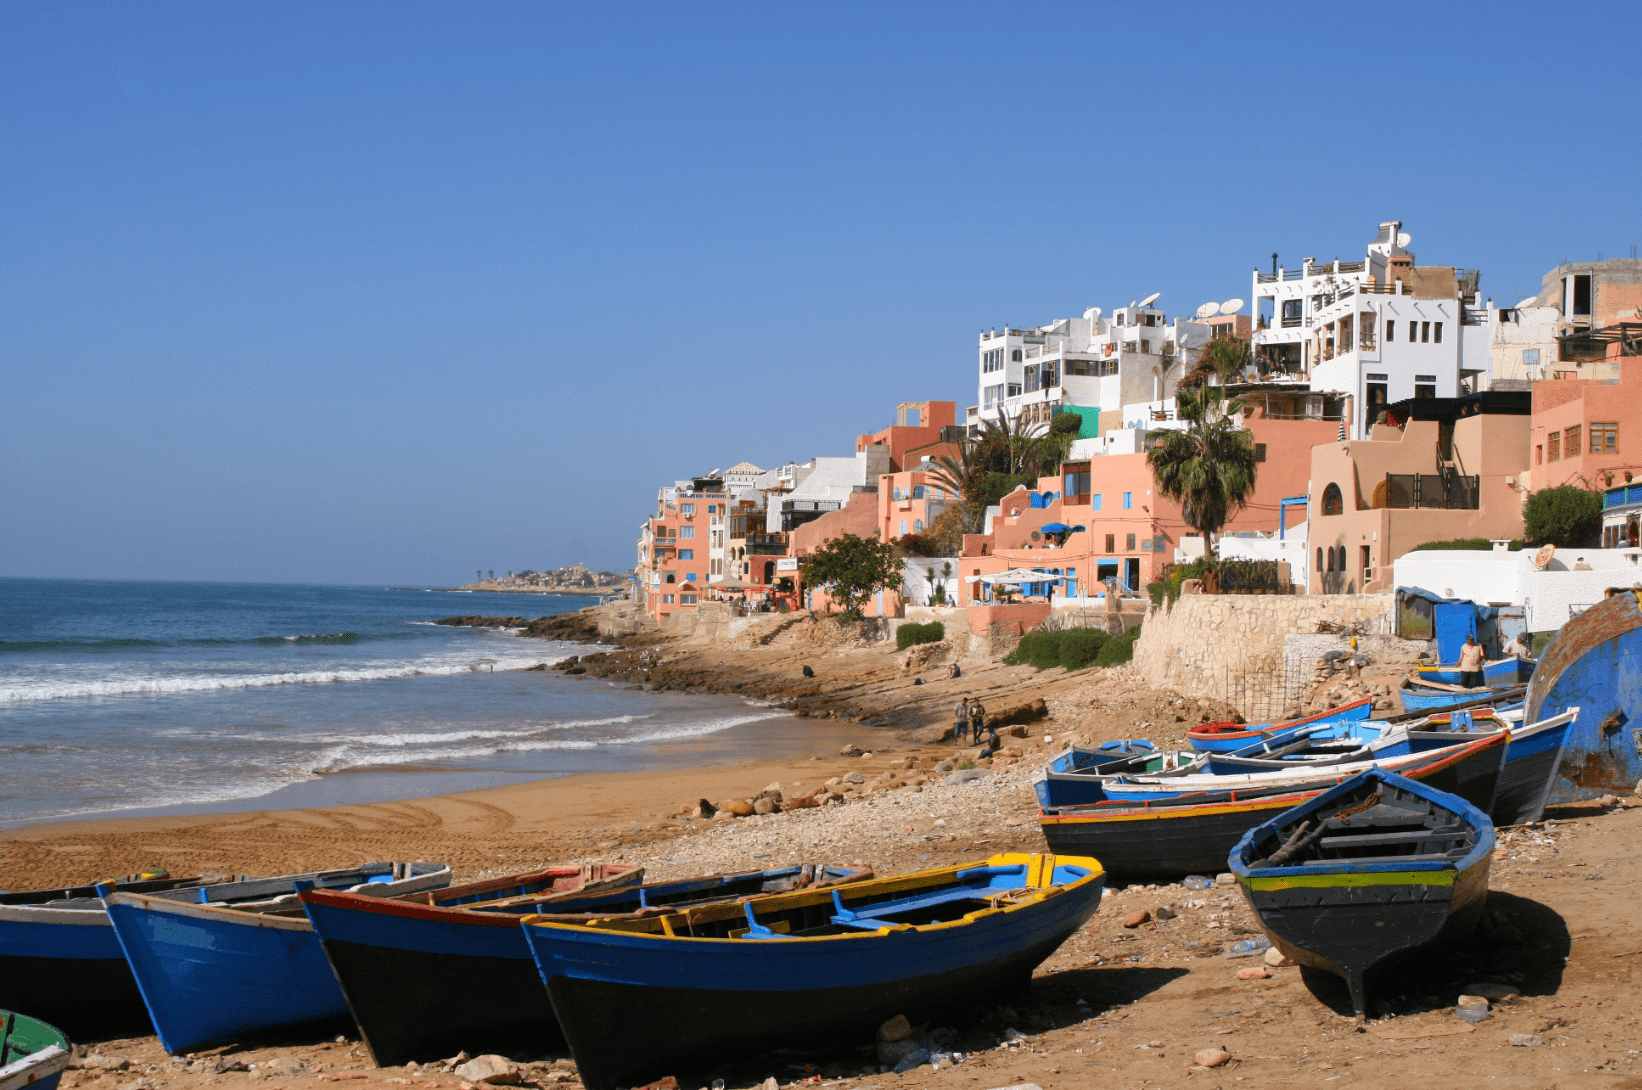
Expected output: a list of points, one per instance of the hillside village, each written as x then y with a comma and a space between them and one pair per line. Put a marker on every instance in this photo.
1389, 405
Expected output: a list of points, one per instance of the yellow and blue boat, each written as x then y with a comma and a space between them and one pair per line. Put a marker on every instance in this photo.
1379, 869
639, 999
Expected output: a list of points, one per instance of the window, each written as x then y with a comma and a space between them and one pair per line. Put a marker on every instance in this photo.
1129, 544
1320, 548
991, 395
903, 532
1553, 446
687, 508
1076, 481
687, 599
690, 577
1582, 295
1413, 336
1128, 501
1539, 453
1333, 503
670, 577
1292, 311
1031, 377
1111, 543
687, 531
712, 508
1015, 355
667, 599
1145, 347
1425, 332
1376, 399
1530, 355
1390, 335
1082, 367
992, 360
918, 492
686, 554
1259, 452
1095, 502
1570, 439
1424, 389
917, 526
1014, 389
1605, 438
1436, 338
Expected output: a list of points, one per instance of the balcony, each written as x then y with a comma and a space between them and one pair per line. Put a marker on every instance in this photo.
1439, 491
766, 544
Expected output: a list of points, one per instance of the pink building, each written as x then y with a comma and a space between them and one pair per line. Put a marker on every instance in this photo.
673, 552
1581, 428
908, 503
924, 426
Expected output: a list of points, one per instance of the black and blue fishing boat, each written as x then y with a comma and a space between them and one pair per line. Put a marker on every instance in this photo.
1228, 737
242, 959
33, 1054
642, 998
1168, 837
60, 959
400, 961
1377, 869
1068, 777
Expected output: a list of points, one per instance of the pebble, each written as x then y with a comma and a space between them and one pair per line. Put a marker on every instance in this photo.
1135, 919
1526, 1040
493, 1069
1277, 959
1212, 1057
96, 1062
1255, 973
286, 1066
896, 1029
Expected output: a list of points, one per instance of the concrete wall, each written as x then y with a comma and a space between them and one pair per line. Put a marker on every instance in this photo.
1506, 578
1231, 647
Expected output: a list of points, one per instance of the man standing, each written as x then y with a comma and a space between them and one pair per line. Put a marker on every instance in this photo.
977, 720
960, 719
1471, 663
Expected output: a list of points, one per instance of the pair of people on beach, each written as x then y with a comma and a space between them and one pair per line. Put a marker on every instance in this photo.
970, 714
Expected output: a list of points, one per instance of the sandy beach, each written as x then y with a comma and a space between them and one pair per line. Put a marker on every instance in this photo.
1116, 1006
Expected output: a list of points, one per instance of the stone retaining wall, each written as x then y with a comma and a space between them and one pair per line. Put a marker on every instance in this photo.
1230, 647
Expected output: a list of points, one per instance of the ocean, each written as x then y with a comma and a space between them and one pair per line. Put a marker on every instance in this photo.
136, 697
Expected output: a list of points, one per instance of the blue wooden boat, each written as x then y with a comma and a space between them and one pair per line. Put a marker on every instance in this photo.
60, 960
400, 961
243, 958
1595, 663
1230, 737
1191, 834
640, 999
1379, 869
33, 1054
1066, 780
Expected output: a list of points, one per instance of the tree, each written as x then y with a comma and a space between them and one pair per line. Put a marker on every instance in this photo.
1567, 516
1209, 468
851, 569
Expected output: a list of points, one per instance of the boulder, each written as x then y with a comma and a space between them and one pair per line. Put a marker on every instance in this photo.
738, 807
490, 1068
802, 802
1212, 1057
703, 809
764, 805
850, 751
854, 777
966, 775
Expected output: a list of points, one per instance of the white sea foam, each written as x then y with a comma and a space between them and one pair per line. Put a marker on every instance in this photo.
131, 685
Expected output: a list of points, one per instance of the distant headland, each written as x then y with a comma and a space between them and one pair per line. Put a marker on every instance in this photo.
573, 579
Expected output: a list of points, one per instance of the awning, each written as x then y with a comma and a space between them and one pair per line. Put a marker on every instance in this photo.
1016, 576
1055, 528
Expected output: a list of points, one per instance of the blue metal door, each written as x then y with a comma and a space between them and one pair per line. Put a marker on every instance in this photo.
1454, 621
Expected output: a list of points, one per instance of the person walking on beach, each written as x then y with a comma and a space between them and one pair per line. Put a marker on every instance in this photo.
960, 719
977, 719
1471, 663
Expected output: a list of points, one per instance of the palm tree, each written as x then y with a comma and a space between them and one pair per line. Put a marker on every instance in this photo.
965, 476
1209, 468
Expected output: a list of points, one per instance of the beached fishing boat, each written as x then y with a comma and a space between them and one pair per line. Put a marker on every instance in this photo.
1071, 776
1427, 698
399, 962
640, 999
1189, 834
60, 959
1228, 737
1499, 673
243, 959
1380, 868
33, 1053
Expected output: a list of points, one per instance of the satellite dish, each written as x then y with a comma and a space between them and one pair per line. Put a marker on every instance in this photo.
1150, 299
1543, 557
1208, 310
1404, 238
1092, 312
1525, 301
1231, 306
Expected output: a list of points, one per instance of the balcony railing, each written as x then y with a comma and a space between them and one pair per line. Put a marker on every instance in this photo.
766, 544
1442, 491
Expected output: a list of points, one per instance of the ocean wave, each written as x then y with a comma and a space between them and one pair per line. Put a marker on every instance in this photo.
199, 683
103, 646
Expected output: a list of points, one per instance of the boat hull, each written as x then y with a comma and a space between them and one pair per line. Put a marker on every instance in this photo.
1229, 741
65, 966
639, 1006
1595, 663
211, 976
33, 1055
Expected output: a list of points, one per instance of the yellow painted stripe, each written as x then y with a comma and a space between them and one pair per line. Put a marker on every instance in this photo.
1366, 878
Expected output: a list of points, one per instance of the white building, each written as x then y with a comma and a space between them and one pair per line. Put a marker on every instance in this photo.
821, 485
1092, 363
1376, 331
1574, 580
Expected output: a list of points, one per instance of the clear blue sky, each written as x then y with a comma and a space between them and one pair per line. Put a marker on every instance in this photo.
389, 292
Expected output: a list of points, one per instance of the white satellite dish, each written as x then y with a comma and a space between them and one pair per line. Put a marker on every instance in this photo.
1231, 306
1092, 312
1526, 301
1150, 299
1404, 238
1208, 310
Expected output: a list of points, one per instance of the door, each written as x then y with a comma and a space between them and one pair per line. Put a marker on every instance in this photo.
1454, 621
1131, 572
1104, 570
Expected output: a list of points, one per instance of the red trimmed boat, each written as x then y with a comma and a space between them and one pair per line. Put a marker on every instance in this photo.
1227, 737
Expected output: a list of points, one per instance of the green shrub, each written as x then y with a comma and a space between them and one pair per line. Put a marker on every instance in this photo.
1565, 516
1118, 649
1041, 649
909, 634
1080, 646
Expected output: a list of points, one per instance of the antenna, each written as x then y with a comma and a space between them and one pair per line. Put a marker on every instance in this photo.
1208, 310
1150, 299
1231, 306
1404, 238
